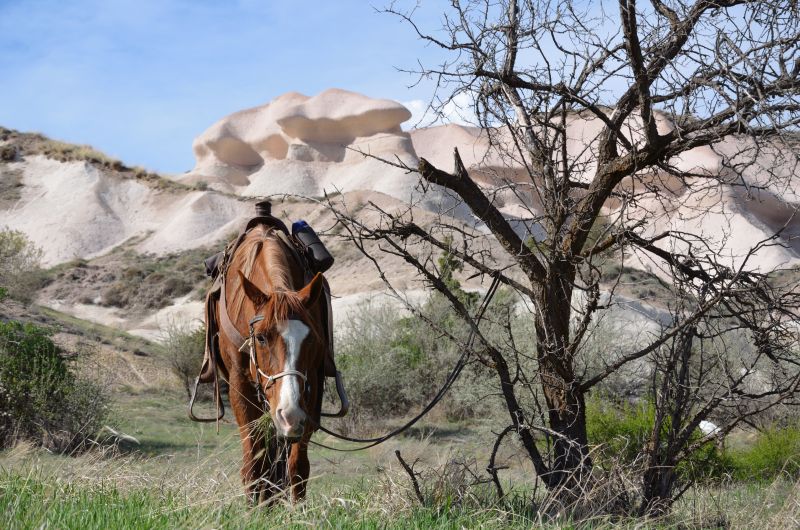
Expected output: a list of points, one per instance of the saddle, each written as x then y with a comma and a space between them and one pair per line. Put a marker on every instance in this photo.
216, 266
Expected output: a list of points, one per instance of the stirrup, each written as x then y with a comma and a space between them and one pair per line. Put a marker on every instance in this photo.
218, 400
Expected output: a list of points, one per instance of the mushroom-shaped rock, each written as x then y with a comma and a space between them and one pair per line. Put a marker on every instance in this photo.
292, 128
338, 116
247, 137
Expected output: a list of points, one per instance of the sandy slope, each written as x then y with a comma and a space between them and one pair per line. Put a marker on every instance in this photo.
77, 210
309, 146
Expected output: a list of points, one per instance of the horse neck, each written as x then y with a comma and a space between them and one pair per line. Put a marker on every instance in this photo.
272, 268
264, 262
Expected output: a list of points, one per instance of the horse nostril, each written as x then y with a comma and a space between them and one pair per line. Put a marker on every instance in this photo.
291, 420
281, 417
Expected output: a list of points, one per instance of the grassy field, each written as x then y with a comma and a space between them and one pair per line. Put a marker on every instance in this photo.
185, 475
182, 474
179, 474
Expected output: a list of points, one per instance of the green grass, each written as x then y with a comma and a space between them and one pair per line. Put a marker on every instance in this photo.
32, 500
36, 502
159, 422
185, 475
774, 451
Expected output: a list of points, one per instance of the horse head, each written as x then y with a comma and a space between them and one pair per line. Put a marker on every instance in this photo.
286, 349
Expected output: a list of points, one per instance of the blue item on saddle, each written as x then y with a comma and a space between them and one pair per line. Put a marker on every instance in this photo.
322, 259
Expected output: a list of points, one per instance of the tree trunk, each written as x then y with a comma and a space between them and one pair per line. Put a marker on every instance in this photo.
657, 492
563, 395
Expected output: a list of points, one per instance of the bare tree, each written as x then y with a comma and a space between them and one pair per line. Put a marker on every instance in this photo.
594, 115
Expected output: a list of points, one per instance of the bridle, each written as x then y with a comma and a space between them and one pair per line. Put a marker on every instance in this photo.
270, 379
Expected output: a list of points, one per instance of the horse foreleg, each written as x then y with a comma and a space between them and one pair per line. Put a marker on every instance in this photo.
244, 403
299, 469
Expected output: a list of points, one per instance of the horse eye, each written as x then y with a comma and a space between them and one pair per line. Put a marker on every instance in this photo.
261, 340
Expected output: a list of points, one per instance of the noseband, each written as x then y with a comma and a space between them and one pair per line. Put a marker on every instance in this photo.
251, 343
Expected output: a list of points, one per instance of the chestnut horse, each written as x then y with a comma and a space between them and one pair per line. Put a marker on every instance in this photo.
279, 368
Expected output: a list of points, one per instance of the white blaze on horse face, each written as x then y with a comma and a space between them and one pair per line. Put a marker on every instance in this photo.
294, 333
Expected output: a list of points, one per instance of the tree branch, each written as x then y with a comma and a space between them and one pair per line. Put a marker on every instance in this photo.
464, 187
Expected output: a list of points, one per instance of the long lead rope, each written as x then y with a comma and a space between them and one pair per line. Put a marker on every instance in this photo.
451, 378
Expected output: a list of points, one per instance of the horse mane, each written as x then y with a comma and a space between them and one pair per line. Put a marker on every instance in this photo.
262, 259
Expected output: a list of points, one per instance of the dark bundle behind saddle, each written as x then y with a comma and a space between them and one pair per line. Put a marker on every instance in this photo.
307, 250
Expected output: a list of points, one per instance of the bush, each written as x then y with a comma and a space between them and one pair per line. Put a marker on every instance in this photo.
42, 400
185, 348
8, 153
393, 365
379, 356
775, 451
623, 433
20, 274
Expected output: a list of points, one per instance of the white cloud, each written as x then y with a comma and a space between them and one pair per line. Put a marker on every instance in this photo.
458, 110
419, 113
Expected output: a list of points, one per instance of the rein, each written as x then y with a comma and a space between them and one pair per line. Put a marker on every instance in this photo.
235, 336
451, 378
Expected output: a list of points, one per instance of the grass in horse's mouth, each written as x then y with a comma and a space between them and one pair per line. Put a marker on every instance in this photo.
265, 426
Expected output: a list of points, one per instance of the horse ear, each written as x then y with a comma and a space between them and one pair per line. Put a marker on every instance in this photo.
310, 293
256, 295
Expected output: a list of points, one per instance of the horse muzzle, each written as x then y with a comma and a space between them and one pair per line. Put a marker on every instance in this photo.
290, 422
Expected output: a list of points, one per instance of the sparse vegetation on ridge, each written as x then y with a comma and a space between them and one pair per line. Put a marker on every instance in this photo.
19, 144
127, 279
147, 282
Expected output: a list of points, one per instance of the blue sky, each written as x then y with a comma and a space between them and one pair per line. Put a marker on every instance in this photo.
140, 79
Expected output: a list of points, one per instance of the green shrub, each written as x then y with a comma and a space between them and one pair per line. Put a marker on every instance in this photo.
185, 348
393, 364
42, 400
20, 274
623, 434
378, 355
775, 451
620, 430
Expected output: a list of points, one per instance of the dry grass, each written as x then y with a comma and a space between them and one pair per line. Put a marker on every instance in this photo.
66, 152
21, 144
10, 186
745, 505
204, 491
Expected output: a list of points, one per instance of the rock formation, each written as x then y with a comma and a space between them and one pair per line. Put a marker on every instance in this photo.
331, 142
